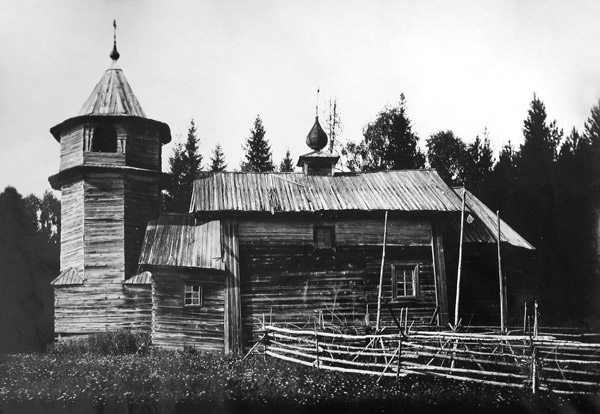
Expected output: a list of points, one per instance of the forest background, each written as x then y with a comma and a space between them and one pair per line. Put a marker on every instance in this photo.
547, 188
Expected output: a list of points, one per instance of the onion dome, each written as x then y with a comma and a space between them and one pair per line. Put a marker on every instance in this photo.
317, 138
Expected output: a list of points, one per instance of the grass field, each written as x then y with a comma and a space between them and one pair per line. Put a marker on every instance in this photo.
131, 378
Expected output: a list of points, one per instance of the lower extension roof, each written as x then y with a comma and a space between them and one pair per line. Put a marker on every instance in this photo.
183, 241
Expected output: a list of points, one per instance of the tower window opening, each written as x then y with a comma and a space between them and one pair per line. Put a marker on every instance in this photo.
104, 139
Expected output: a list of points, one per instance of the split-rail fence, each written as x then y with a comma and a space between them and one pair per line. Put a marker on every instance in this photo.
534, 362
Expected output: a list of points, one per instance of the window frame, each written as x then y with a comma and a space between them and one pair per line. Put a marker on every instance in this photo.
188, 302
98, 138
415, 275
316, 229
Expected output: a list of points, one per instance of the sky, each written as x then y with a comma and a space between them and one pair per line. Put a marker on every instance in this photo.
462, 65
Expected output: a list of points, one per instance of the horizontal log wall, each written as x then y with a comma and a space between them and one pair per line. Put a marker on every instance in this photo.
287, 281
85, 309
111, 158
174, 325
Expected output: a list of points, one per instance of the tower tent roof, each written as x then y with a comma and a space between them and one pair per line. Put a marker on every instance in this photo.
112, 96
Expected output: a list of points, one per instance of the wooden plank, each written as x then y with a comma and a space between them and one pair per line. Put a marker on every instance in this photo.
440, 275
233, 313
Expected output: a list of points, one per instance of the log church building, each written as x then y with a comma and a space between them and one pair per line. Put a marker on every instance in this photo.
289, 248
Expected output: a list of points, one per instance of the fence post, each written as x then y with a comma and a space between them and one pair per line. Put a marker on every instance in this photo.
317, 349
399, 356
524, 317
535, 320
534, 371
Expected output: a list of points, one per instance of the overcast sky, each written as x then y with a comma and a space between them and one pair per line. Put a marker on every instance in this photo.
463, 65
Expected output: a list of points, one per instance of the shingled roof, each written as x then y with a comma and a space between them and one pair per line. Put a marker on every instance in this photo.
182, 240
112, 96
404, 190
484, 227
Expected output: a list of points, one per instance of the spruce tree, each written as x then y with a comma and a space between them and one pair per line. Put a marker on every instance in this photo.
535, 204
183, 165
287, 164
478, 168
258, 157
217, 161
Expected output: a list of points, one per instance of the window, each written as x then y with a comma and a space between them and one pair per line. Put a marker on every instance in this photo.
104, 139
324, 237
405, 281
192, 295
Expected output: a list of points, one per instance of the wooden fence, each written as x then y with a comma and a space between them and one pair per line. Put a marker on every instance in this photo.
540, 362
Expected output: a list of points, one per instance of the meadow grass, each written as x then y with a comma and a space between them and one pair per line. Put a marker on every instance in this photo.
100, 372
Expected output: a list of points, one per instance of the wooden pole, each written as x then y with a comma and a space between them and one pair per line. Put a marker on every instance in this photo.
381, 273
524, 318
460, 250
535, 319
501, 279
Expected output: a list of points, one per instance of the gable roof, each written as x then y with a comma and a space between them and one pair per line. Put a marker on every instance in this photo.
112, 96
403, 190
484, 228
181, 240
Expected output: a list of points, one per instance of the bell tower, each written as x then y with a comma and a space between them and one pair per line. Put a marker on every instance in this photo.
109, 178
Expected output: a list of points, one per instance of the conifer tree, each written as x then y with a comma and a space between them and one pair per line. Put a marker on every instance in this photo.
287, 164
536, 172
478, 168
258, 157
592, 127
183, 165
217, 161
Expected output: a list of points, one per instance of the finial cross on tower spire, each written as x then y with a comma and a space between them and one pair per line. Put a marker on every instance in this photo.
114, 55
317, 106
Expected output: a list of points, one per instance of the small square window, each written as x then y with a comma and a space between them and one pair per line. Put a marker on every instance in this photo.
192, 295
324, 237
405, 281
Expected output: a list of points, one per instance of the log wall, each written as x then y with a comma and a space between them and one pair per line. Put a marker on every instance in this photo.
174, 325
112, 158
104, 216
86, 309
285, 279
143, 148
71, 232
141, 205
71, 148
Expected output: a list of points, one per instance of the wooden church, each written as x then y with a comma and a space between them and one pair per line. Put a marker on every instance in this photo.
293, 248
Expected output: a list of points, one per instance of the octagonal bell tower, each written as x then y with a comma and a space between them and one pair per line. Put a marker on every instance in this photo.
109, 178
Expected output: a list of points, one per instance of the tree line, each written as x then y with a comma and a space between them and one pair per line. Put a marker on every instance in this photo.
30, 246
547, 188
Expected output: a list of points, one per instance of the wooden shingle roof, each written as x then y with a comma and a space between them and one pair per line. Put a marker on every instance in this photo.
181, 240
404, 190
484, 227
69, 277
112, 96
